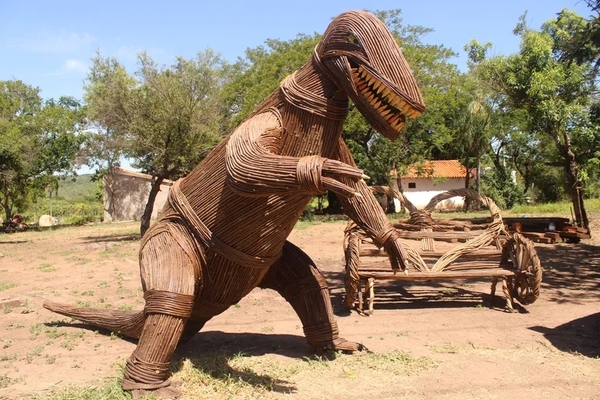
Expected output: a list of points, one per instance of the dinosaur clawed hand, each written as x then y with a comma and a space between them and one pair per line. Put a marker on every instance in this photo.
334, 170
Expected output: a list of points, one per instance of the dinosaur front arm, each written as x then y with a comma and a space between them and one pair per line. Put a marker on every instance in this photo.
368, 214
254, 167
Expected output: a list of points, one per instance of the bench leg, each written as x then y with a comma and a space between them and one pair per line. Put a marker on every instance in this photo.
493, 291
361, 301
370, 287
507, 295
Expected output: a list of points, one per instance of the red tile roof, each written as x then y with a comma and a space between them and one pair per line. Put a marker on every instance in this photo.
435, 169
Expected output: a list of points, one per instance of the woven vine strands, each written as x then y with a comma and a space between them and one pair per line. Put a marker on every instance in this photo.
224, 228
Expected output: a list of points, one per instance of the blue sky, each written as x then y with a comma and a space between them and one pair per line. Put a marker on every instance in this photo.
49, 44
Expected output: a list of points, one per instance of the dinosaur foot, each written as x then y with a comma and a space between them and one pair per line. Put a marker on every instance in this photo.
343, 345
164, 393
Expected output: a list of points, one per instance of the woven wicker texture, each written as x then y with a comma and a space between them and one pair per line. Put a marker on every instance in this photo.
223, 230
518, 250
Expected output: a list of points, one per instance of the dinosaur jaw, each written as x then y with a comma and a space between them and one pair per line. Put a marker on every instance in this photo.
391, 108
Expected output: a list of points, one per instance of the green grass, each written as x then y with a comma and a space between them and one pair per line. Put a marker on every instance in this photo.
219, 375
561, 208
108, 389
6, 285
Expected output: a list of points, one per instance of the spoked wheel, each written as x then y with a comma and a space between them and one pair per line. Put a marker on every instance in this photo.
520, 251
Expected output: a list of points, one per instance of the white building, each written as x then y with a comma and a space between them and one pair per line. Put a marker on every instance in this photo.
425, 180
125, 194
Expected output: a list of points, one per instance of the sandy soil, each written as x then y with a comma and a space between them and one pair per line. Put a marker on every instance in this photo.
548, 350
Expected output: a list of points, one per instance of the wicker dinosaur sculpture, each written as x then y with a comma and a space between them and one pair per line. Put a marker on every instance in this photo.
223, 230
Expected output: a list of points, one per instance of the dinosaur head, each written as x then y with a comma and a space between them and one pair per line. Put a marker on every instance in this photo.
362, 57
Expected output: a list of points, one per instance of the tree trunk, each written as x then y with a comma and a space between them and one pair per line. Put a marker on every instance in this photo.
575, 184
576, 191
392, 201
147, 215
7, 212
467, 184
334, 206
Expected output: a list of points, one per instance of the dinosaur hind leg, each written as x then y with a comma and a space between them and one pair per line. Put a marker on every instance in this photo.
170, 271
299, 281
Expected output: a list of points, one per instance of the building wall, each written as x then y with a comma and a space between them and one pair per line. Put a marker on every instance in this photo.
125, 195
425, 190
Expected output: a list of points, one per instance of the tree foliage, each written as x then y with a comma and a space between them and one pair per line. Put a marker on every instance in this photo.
38, 143
556, 96
166, 119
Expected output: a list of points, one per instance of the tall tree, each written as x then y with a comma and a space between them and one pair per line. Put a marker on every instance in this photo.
555, 93
38, 143
261, 69
170, 116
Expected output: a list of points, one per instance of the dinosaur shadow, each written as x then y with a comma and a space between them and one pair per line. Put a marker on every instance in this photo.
82, 325
112, 238
214, 353
581, 335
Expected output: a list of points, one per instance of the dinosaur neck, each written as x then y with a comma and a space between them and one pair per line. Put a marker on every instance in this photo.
313, 112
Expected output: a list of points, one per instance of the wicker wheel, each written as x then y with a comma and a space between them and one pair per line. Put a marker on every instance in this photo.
521, 252
351, 281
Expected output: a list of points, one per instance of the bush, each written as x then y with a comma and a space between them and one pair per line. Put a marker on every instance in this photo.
500, 187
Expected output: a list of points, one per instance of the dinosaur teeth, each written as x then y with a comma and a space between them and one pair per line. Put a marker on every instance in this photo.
390, 106
385, 111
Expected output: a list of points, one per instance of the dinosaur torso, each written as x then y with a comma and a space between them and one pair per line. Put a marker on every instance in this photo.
284, 129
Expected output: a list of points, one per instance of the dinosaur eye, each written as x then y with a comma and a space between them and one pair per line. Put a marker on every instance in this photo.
352, 38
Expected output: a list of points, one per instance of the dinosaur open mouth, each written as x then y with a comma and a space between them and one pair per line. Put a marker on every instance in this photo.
390, 106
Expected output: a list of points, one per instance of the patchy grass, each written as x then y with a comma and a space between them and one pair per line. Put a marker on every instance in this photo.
222, 376
107, 389
6, 285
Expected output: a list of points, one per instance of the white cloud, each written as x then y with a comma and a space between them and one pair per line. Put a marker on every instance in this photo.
52, 43
75, 66
69, 67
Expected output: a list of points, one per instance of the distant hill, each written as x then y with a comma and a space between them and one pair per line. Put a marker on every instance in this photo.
80, 189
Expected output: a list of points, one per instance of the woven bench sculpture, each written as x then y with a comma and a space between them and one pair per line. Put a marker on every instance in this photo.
223, 230
487, 250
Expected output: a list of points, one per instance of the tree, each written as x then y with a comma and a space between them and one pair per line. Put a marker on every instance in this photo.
169, 117
556, 95
108, 95
38, 143
258, 74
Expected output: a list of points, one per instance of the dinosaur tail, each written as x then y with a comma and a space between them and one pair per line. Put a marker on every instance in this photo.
125, 323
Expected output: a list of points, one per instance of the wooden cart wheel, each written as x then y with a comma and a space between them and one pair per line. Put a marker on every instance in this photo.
528, 279
352, 280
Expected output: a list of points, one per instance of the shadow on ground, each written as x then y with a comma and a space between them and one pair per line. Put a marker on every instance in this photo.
112, 238
212, 352
571, 272
580, 335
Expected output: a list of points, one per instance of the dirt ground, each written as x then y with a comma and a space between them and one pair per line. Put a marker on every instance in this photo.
548, 350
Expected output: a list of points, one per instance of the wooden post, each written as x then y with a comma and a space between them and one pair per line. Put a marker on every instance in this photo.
371, 285
493, 292
507, 295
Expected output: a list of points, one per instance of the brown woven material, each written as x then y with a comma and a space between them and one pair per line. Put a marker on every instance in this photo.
223, 230
517, 250
528, 281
